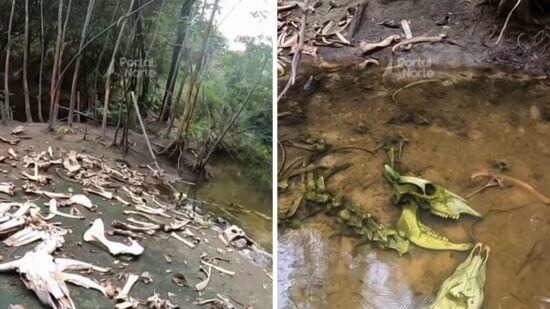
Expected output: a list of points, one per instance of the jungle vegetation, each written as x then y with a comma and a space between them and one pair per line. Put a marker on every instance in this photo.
68, 61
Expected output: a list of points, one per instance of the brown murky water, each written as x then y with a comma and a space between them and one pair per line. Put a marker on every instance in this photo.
474, 119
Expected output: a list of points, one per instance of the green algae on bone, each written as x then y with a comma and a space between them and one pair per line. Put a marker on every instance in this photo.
464, 288
438, 200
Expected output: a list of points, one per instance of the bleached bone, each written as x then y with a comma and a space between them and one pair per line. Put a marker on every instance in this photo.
144, 224
97, 233
5, 207
186, 242
84, 282
151, 211
7, 188
70, 264
44, 275
202, 285
131, 227
24, 237
106, 194
33, 189
38, 178
12, 153
123, 201
14, 222
54, 212
141, 214
135, 198
70, 163
233, 232
82, 200
123, 294
50, 151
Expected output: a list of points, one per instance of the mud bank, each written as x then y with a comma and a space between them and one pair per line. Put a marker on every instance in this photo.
250, 286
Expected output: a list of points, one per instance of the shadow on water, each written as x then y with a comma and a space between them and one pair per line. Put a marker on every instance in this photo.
462, 124
239, 198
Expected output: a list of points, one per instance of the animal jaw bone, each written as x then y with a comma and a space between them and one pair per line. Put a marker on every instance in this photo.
97, 233
422, 235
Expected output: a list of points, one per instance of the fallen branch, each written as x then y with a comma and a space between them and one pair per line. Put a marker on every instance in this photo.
514, 181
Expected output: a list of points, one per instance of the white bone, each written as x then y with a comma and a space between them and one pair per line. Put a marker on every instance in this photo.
123, 294
82, 200
97, 233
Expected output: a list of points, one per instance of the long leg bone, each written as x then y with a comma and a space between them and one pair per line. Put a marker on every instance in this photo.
123, 294
84, 282
97, 233
70, 264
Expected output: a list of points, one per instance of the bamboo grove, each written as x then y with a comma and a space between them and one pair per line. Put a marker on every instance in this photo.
71, 61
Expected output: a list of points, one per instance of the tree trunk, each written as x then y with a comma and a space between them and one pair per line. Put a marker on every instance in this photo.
110, 70
25, 64
100, 58
189, 108
77, 64
154, 36
57, 90
6, 109
176, 56
42, 52
54, 80
201, 162
174, 105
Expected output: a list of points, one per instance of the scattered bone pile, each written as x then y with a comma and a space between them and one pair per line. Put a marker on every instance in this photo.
335, 32
331, 33
23, 223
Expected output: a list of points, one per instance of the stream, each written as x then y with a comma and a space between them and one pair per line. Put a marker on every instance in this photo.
466, 122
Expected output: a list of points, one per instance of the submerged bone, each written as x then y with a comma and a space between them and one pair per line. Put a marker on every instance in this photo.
464, 288
97, 233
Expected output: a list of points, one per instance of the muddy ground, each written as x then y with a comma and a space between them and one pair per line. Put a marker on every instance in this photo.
473, 28
250, 287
